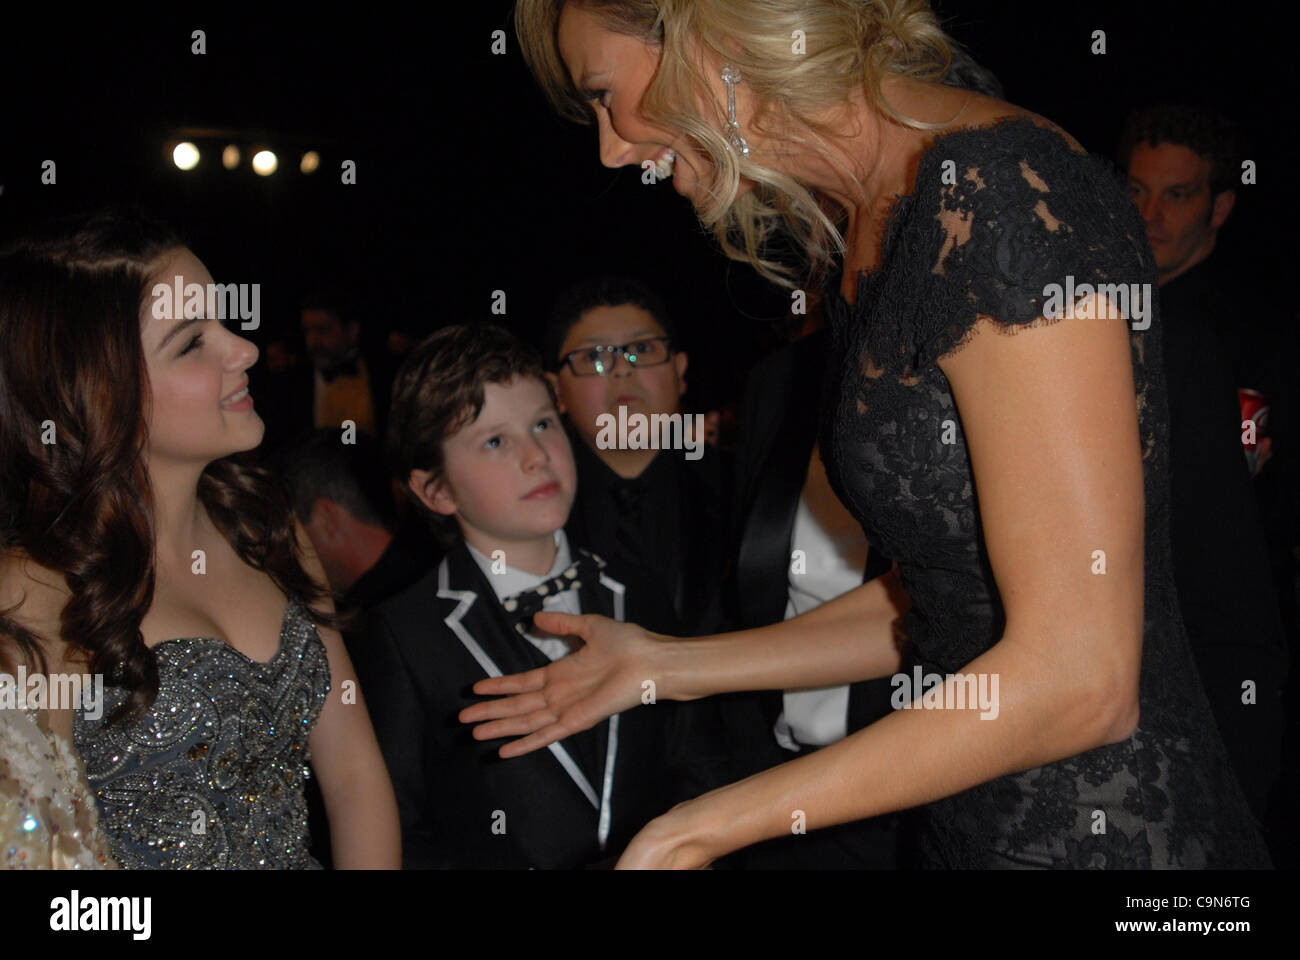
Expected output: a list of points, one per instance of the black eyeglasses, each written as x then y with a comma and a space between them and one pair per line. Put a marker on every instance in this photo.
598, 361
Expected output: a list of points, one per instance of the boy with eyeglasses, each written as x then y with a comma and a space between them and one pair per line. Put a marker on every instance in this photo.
610, 343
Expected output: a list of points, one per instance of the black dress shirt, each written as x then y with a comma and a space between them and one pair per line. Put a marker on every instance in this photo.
671, 520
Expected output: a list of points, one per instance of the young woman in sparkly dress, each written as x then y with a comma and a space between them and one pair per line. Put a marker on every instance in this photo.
133, 537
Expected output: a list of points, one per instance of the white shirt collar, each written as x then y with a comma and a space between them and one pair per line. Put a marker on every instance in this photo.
512, 580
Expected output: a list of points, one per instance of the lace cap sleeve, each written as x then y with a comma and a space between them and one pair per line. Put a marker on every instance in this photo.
1009, 216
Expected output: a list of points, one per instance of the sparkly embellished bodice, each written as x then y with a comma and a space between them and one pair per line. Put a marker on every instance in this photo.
213, 775
999, 213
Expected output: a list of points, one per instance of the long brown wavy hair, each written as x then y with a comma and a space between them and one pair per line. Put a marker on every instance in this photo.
74, 488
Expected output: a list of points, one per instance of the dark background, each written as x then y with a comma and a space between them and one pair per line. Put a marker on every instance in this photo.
468, 183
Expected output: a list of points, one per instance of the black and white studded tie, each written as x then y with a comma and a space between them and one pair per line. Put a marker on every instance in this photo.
522, 605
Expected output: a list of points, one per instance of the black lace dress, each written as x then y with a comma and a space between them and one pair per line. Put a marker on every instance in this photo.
1035, 210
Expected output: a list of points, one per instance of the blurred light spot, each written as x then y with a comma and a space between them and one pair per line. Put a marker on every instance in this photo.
265, 162
185, 156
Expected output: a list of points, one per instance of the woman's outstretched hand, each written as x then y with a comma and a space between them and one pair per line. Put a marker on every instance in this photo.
611, 672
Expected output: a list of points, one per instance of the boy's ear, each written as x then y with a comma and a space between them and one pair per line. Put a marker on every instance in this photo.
554, 380
434, 495
679, 361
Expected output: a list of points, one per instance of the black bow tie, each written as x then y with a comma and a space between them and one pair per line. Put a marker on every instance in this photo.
348, 368
522, 605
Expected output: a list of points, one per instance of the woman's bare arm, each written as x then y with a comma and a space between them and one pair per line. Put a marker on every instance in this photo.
850, 638
364, 828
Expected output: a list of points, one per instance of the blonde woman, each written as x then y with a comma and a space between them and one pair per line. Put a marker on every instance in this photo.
1007, 449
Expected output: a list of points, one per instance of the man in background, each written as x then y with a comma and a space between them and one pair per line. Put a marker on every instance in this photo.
1217, 331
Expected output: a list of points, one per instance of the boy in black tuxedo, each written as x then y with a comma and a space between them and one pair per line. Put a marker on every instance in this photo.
475, 437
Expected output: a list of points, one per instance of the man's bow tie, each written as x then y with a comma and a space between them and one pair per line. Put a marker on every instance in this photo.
522, 605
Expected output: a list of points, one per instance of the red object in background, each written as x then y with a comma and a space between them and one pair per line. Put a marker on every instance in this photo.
1254, 406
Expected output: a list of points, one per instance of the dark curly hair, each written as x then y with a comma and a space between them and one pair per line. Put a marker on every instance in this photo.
1199, 127
72, 367
439, 390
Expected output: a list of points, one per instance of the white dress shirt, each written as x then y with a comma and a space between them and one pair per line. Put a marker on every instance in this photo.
835, 555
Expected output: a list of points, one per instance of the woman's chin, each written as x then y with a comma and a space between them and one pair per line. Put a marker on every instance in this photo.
251, 434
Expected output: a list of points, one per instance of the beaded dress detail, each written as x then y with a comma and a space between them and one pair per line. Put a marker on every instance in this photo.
998, 213
48, 819
213, 775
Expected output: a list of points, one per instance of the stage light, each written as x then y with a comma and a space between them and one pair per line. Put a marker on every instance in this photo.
265, 162
310, 161
230, 157
185, 156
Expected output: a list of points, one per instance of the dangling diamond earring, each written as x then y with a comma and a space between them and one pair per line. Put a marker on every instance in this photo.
731, 77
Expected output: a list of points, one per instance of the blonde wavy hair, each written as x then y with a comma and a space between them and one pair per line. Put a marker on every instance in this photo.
847, 45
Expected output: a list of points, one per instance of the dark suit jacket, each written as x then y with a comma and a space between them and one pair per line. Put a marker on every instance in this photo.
425, 649
777, 429
1226, 591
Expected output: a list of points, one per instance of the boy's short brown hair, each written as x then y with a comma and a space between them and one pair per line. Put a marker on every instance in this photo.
439, 390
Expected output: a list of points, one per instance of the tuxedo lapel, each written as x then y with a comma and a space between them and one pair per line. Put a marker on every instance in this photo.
607, 597
470, 610
784, 436
764, 555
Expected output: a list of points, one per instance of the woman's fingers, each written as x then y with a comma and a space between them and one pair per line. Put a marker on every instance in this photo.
574, 693
564, 624
535, 741
544, 726
514, 726
525, 703
511, 683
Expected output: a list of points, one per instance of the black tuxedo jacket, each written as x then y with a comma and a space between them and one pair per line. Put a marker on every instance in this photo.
576, 803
